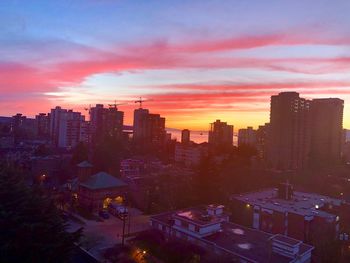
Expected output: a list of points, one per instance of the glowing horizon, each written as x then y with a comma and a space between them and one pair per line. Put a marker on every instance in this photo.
192, 68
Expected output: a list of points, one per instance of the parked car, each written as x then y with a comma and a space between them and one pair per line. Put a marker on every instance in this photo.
104, 214
118, 210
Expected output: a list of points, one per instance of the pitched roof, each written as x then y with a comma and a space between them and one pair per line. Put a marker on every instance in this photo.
102, 180
85, 164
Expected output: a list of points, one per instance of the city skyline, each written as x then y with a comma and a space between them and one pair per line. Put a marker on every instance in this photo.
86, 115
174, 131
192, 68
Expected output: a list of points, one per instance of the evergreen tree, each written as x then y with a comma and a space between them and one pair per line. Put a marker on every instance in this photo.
80, 154
31, 227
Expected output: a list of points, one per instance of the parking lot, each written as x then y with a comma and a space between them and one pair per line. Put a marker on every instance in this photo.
101, 235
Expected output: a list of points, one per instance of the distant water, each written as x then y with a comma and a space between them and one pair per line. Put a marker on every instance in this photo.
196, 136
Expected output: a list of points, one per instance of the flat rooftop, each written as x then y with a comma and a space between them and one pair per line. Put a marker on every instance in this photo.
252, 244
305, 204
199, 216
196, 215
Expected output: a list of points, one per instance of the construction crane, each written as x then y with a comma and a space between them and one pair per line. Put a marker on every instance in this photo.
115, 105
140, 100
88, 109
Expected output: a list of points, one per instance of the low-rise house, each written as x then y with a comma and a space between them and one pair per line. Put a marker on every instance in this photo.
97, 191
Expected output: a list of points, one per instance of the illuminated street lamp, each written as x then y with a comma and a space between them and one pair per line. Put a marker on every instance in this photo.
42, 178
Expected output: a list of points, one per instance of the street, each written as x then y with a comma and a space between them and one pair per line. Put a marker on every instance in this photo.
98, 236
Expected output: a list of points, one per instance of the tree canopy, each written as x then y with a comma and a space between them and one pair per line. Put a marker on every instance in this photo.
31, 227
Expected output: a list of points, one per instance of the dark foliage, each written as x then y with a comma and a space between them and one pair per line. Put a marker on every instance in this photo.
80, 153
170, 251
42, 150
108, 154
31, 227
119, 254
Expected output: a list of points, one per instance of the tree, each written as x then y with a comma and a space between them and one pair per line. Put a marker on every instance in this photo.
42, 150
119, 254
80, 153
108, 154
32, 228
206, 182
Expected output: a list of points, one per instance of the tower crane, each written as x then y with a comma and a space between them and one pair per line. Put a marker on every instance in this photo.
115, 105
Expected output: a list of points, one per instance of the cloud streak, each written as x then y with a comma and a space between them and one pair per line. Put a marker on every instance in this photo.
51, 71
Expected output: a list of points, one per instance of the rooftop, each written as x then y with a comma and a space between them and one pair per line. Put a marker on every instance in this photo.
102, 180
199, 215
85, 164
251, 244
305, 204
196, 215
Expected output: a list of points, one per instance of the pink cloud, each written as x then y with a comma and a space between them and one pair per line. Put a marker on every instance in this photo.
38, 77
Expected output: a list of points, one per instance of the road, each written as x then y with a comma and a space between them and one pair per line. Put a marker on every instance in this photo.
101, 235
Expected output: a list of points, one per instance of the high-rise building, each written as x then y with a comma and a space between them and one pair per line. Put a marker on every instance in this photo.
289, 139
105, 121
42, 121
69, 129
220, 134
114, 121
139, 131
262, 135
56, 115
185, 136
148, 128
247, 137
65, 127
85, 132
326, 126
22, 127
18, 121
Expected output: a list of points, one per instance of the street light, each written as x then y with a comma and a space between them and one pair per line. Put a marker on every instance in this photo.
42, 178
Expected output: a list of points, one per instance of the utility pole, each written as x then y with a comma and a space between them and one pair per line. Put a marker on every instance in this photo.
125, 214
123, 235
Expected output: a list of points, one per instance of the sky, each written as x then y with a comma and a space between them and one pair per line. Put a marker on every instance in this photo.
194, 61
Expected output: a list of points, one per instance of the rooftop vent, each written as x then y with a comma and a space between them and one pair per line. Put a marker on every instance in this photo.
215, 210
285, 246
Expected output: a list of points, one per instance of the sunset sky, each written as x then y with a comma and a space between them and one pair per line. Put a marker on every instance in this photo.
196, 61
